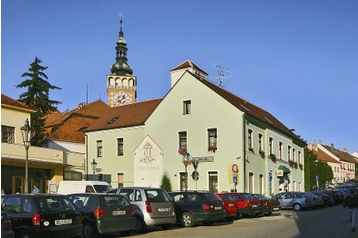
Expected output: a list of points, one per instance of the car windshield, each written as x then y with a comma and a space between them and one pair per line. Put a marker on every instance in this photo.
157, 195
227, 197
102, 188
248, 196
50, 204
212, 197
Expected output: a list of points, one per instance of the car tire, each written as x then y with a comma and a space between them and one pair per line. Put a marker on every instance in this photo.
23, 234
297, 207
89, 231
187, 219
208, 223
140, 225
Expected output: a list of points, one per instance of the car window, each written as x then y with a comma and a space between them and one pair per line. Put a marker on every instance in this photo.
237, 198
89, 189
157, 195
101, 188
178, 197
298, 195
227, 197
27, 206
212, 197
50, 204
248, 196
12, 204
128, 193
81, 200
137, 196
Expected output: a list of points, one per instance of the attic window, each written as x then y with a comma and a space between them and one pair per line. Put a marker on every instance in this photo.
82, 129
111, 121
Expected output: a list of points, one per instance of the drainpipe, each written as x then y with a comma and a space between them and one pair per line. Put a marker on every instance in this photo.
244, 147
86, 162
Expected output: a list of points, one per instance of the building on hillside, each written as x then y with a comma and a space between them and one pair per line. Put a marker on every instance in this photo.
343, 164
45, 166
233, 140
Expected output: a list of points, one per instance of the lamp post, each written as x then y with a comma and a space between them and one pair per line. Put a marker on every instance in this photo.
26, 138
187, 159
94, 167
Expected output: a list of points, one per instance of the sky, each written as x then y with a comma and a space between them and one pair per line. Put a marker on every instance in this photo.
297, 60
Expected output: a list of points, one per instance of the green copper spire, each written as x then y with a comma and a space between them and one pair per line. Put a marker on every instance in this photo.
121, 67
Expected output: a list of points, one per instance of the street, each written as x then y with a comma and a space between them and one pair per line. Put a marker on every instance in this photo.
325, 222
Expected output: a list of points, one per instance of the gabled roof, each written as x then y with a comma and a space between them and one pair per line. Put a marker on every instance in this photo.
321, 155
5, 100
187, 64
70, 126
249, 108
134, 114
342, 155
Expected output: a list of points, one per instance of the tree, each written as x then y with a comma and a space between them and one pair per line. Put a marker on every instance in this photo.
37, 98
165, 183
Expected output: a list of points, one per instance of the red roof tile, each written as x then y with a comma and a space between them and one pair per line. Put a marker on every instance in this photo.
12, 102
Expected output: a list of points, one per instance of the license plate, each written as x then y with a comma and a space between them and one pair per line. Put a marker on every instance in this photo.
254, 205
116, 213
217, 208
231, 205
63, 222
165, 209
276, 208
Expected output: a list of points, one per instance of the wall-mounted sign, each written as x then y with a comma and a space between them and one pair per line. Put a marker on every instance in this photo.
279, 173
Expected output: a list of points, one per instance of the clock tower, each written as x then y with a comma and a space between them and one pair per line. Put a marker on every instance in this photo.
121, 84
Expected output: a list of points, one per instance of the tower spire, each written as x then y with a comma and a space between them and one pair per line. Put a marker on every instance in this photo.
121, 67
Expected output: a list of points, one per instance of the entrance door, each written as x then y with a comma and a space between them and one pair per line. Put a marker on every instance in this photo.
18, 184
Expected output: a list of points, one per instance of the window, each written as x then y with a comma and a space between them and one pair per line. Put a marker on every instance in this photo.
182, 139
280, 149
72, 175
213, 182
212, 139
299, 157
99, 148
260, 142
289, 152
270, 144
293, 154
120, 180
249, 139
7, 134
119, 146
182, 181
187, 107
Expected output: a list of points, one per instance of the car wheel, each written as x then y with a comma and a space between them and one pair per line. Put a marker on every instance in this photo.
297, 207
89, 231
187, 219
208, 223
140, 225
22, 234
166, 226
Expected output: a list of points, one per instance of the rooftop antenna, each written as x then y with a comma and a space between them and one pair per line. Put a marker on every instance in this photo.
222, 72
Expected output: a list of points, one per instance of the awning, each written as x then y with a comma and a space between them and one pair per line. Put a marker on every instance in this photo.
284, 169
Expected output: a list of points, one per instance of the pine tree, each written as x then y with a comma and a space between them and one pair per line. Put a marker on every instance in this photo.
165, 183
37, 98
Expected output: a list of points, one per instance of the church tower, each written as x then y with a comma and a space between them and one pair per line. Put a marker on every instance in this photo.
121, 84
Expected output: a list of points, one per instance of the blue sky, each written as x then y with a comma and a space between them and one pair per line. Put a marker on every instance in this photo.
296, 59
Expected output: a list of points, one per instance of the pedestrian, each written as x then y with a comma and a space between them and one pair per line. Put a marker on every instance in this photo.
351, 202
35, 190
2, 191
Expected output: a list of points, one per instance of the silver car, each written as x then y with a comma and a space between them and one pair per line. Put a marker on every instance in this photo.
152, 206
294, 200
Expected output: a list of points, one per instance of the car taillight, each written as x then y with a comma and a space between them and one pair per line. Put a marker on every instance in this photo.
206, 207
148, 207
7, 222
36, 220
98, 212
266, 204
132, 210
306, 200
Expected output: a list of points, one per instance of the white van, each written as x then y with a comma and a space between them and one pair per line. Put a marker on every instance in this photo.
67, 187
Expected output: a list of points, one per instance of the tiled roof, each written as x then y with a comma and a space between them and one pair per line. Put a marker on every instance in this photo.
69, 126
187, 64
12, 102
250, 108
321, 155
128, 115
342, 155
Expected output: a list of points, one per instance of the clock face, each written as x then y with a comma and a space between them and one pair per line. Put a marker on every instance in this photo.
121, 98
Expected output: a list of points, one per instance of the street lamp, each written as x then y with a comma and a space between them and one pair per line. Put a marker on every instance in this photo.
94, 167
26, 138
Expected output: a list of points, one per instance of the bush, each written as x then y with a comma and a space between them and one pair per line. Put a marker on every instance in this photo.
165, 183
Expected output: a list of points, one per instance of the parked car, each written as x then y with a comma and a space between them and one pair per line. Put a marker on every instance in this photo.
317, 199
294, 200
247, 205
197, 206
328, 200
152, 206
6, 231
337, 195
104, 213
43, 215
230, 206
268, 205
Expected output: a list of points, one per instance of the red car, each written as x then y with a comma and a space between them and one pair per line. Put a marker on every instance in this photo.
248, 206
230, 206
268, 205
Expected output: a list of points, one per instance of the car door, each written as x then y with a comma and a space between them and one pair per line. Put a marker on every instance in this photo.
286, 200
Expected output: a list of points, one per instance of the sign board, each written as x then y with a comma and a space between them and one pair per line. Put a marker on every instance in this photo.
195, 164
234, 178
205, 159
195, 175
270, 176
279, 173
235, 168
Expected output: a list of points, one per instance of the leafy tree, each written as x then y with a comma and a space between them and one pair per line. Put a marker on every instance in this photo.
37, 98
165, 183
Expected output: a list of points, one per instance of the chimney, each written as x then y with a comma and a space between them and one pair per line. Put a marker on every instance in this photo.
345, 150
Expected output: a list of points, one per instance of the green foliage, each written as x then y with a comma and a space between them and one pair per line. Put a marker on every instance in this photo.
315, 167
37, 98
165, 183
